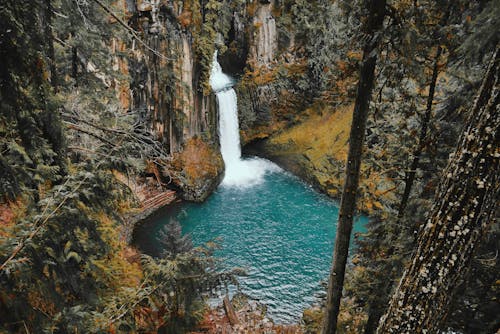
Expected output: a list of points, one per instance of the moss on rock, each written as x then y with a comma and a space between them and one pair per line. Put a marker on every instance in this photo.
316, 149
197, 169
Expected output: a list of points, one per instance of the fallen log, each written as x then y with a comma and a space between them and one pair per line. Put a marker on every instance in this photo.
230, 312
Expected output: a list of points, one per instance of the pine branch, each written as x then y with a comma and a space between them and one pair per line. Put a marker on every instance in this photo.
39, 223
139, 136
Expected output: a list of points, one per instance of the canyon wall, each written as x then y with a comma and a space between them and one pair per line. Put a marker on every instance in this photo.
166, 92
169, 67
165, 82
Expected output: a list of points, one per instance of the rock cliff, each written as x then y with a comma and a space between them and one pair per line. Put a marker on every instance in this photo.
263, 44
166, 90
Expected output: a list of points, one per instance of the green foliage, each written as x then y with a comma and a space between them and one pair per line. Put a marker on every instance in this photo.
62, 267
483, 37
216, 20
62, 264
61, 244
395, 123
172, 240
84, 37
31, 138
170, 296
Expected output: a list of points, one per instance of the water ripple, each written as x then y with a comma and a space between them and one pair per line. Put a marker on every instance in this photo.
280, 230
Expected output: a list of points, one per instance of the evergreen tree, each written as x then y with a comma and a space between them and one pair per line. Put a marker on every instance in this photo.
405, 110
31, 138
62, 268
172, 240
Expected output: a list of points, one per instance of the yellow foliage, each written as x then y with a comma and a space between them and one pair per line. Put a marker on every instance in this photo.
296, 68
355, 55
10, 213
319, 143
313, 319
276, 11
323, 134
40, 302
197, 161
259, 75
251, 8
118, 271
185, 18
350, 320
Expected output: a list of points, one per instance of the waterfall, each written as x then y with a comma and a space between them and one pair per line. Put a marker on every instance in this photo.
239, 172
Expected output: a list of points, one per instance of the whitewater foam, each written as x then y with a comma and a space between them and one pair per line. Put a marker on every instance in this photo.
239, 172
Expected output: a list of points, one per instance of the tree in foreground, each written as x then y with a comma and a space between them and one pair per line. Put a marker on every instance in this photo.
464, 207
376, 9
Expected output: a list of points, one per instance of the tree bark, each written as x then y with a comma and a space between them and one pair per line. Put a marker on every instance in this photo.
376, 308
410, 175
464, 205
357, 136
49, 35
74, 64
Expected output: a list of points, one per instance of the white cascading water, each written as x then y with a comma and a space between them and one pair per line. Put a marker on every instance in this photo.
239, 172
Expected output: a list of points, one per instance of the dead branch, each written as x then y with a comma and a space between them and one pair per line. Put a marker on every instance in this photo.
130, 30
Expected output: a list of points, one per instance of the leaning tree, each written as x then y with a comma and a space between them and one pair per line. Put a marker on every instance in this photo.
465, 205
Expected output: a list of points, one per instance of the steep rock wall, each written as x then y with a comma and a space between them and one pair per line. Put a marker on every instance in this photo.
251, 56
165, 89
264, 43
169, 72
165, 82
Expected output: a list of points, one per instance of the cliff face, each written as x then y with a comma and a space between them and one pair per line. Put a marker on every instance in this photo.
287, 88
168, 71
254, 42
264, 42
257, 45
165, 83
165, 88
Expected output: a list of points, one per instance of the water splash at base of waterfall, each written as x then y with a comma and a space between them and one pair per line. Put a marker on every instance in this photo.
239, 172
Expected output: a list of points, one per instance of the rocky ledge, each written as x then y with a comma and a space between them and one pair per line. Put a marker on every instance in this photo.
197, 170
242, 315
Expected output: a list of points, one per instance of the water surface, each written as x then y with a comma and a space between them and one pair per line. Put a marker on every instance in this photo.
280, 230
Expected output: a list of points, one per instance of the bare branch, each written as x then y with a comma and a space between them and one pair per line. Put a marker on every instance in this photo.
131, 31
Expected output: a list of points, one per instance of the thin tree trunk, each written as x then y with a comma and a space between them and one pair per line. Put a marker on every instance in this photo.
410, 175
50, 44
356, 140
464, 205
377, 306
74, 64
374, 315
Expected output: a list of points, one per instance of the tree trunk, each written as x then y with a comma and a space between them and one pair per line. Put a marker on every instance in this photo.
377, 306
374, 315
464, 205
410, 175
74, 64
356, 140
49, 36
